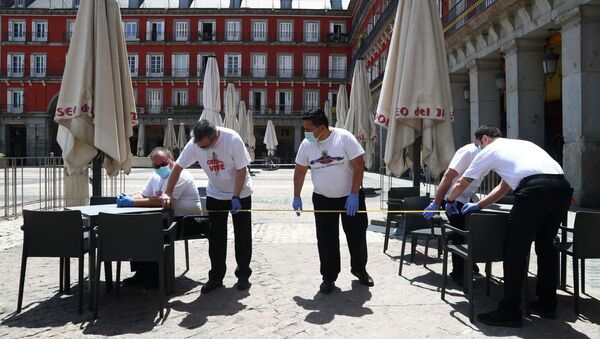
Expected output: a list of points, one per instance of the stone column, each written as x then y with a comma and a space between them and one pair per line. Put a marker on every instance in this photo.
581, 102
297, 134
525, 90
462, 119
485, 98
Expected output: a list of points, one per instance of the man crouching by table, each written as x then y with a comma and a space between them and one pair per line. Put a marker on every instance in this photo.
185, 201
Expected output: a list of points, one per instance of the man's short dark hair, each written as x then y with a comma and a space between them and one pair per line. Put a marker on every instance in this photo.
490, 131
204, 129
317, 117
157, 150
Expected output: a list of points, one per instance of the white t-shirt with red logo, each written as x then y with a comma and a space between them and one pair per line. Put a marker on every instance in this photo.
185, 195
460, 162
329, 162
221, 163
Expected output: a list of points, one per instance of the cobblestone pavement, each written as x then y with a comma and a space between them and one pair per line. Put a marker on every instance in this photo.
283, 300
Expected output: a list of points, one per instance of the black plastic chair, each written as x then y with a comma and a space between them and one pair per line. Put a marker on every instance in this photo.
192, 227
395, 200
586, 233
58, 234
485, 242
132, 237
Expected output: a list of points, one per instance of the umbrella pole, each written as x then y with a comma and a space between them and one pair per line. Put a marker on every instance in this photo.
97, 175
417, 162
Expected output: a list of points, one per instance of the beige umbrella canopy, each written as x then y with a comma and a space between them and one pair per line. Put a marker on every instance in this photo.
341, 107
141, 141
250, 134
231, 120
170, 140
360, 117
415, 97
327, 110
243, 122
96, 108
270, 139
182, 138
211, 95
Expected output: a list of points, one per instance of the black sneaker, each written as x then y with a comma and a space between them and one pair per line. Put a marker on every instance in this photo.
541, 310
243, 284
210, 286
500, 318
327, 286
364, 278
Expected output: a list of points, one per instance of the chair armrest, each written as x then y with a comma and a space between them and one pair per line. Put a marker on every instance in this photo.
171, 231
446, 226
567, 229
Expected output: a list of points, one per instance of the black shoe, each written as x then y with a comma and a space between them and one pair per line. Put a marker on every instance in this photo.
137, 279
541, 310
457, 278
364, 278
327, 286
243, 284
500, 318
210, 286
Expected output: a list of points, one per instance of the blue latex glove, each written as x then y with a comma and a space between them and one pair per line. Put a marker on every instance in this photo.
125, 200
470, 208
451, 208
236, 205
351, 205
432, 207
297, 205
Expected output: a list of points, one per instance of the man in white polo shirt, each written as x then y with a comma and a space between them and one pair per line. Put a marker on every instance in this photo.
222, 154
336, 163
542, 198
459, 164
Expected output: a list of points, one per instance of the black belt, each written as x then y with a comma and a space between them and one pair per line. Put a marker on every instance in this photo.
525, 180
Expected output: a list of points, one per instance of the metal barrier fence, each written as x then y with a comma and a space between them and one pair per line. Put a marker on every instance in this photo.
38, 183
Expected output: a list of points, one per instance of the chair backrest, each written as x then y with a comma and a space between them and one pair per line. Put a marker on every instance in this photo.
202, 191
403, 192
126, 237
97, 200
486, 235
416, 203
53, 233
587, 235
415, 221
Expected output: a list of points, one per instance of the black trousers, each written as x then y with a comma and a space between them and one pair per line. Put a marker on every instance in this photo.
328, 239
217, 241
458, 221
541, 202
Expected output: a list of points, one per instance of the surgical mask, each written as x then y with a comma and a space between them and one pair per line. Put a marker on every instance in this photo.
478, 149
164, 171
310, 136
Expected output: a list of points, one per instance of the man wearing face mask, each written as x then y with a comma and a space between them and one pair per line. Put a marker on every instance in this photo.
336, 163
224, 158
185, 201
459, 164
542, 198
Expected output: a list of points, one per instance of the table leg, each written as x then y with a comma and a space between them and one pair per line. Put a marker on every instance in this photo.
108, 275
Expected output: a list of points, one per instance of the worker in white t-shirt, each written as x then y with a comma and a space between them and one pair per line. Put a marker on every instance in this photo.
542, 198
459, 164
185, 201
224, 158
336, 163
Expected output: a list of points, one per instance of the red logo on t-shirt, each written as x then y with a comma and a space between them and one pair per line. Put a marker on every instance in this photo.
214, 164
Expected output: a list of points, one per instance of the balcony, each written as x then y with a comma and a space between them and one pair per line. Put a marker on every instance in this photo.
463, 12
14, 108
16, 36
257, 110
337, 73
312, 37
15, 72
207, 36
180, 72
338, 37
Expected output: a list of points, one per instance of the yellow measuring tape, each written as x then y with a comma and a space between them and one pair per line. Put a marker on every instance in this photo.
313, 211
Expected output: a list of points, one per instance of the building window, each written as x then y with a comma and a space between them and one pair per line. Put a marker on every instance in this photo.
285, 66
233, 30
236, 100
70, 27
76, 3
258, 101
40, 31
38, 65
154, 100
155, 31
19, 3
180, 98
200, 97
311, 100
16, 30
259, 65
182, 30
130, 29
259, 30
383, 62
286, 31
337, 66
233, 65
201, 64
376, 16
283, 102
311, 66
332, 97
15, 101
311, 31
154, 65
132, 60
16, 65
206, 30
337, 32
181, 65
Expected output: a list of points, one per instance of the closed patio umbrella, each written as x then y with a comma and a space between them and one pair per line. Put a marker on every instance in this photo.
182, 138
250, 135
327, 110
360, 113
231, 120
270, 139
341, 107
243, 122
211, 95
170, 139
96, 108
415, 99
141, 142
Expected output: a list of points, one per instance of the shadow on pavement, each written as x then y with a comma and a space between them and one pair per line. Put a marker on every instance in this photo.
326, 307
